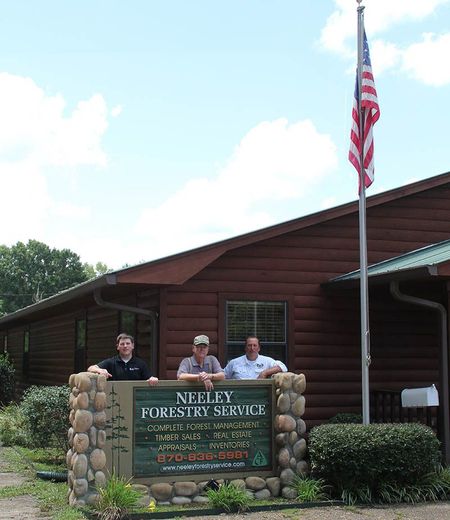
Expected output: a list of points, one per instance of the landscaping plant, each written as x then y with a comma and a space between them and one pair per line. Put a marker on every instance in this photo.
46, 412
432, 487
309, 489
229, 498
116, 499
12, 426
365, 463
346, 418
7, 379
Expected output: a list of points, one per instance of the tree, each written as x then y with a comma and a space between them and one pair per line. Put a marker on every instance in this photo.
31, 272
92, 271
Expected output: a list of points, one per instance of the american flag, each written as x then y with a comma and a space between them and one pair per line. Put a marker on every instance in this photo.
371, 113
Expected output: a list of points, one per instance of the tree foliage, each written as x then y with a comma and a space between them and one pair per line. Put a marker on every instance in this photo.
33, 271
92, 271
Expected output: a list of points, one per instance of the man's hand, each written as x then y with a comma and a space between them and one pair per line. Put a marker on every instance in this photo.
152, 381
95, 369
206, 378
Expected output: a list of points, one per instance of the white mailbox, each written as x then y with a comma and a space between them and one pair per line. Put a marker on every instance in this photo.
418, 397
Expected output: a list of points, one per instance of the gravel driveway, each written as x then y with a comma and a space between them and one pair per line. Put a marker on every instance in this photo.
429, 511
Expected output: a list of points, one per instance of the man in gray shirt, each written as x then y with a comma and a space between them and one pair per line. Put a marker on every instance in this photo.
200, 366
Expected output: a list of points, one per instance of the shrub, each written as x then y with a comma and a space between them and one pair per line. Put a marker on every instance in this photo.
356, 459
7, 379
346, 418
229, 498
116, 499
46, 411
12, 426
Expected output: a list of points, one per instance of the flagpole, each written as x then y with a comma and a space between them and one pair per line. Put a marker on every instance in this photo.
364, 290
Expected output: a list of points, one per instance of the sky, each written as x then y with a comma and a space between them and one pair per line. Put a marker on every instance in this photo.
133, 130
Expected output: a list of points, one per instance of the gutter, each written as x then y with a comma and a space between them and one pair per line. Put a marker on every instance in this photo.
136, 310
444, 386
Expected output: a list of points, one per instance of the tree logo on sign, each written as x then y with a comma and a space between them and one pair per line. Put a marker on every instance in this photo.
259, 459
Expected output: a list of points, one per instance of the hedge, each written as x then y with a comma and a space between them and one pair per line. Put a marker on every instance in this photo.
352, 456
46, 412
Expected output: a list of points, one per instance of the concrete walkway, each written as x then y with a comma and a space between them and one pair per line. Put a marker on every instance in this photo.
23, 507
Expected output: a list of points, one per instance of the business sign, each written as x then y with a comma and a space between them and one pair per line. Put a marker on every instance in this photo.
184, 430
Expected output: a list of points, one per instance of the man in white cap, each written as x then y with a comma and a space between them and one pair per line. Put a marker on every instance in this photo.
253, 365
200, 366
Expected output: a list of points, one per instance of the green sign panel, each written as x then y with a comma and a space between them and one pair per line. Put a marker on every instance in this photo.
191, 431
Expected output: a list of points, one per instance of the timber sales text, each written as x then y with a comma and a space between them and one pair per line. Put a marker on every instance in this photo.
203, 404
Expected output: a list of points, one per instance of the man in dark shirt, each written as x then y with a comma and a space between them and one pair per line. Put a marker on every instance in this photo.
124, 366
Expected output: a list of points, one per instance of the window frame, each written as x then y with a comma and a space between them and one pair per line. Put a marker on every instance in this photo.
125, 328
26, 352
288, 300
79, 353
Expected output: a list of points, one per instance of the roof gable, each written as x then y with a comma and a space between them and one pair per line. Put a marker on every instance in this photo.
176, 269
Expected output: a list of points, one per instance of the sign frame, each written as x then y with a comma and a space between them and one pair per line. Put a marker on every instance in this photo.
122, 430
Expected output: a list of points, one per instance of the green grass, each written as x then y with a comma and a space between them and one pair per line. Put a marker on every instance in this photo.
40, 459
51, 496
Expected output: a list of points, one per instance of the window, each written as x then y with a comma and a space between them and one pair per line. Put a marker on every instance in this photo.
81, 334
127, 323
264, 319
26, 352
80, 345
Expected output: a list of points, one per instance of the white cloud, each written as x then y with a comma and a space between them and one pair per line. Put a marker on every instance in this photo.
275, 162
72, 211
35, 135
25, 201
428, 61
92, 248
116, 111
328, 202
380, 15
425, 61
384, 56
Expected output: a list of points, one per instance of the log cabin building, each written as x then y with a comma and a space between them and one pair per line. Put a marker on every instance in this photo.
294, 284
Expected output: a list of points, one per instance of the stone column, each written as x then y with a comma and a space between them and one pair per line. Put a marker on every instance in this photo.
290, 442
86, 459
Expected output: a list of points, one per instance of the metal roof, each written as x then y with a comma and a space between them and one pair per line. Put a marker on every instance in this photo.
425, 257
